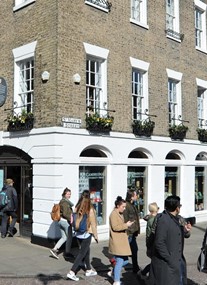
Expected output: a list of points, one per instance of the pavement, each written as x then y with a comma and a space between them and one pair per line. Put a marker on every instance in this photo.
22, 262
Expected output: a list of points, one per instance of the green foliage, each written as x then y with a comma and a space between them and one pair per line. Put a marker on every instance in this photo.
178, 132
97, 123
143, 127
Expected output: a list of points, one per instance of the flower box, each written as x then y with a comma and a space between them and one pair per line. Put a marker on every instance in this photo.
202, 135
95, 123
178, 132
20, 122
143, 128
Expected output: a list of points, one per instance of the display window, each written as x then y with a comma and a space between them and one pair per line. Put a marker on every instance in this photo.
93, 178
136, 179
199, 188
171, 181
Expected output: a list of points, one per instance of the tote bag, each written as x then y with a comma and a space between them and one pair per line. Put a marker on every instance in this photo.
201, 263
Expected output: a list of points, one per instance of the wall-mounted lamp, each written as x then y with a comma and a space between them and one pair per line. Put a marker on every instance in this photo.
76, 78
45, 76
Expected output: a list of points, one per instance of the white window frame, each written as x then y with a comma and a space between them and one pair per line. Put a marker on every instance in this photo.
176, 20
22, 3
141, 18
202, 113
100, 54
101, 6
20, 54
142, 67
176, 77
202, 8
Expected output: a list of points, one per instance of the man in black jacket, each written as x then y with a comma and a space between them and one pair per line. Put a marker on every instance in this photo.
168, 264
10, 209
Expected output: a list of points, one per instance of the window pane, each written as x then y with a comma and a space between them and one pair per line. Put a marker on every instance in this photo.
93, 178
199, 188
136, 179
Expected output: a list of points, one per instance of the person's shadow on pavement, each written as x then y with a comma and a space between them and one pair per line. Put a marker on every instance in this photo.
46, 279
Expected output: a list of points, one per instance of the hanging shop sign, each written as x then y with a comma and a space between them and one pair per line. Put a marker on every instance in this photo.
3, 91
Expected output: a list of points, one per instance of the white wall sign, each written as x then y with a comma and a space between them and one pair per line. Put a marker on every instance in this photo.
71, 122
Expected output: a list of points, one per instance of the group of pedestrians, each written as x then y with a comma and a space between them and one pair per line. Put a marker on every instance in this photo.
165, 234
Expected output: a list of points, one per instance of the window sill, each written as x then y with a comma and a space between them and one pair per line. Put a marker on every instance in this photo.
174, 39
97, 6
145, 26
201, 50
22, 5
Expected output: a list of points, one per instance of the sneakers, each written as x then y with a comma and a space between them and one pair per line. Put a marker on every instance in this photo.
71, 275
10, 233
110, 274
54, 252
90, 273
141, 276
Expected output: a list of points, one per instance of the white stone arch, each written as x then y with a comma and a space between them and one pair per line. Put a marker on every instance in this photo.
142, 153
175, 155
104, 153
201, 156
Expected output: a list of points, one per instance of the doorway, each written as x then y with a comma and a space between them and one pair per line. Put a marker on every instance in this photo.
16, 165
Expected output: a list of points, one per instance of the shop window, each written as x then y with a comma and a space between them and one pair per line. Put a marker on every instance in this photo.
92, 153
136, 179
199, 188
172, 155
93, 178
171, 181
137, 154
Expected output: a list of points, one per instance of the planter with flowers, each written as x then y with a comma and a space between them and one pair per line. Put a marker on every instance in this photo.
143, 128
21, 122
96, 123
178, 132
202, 135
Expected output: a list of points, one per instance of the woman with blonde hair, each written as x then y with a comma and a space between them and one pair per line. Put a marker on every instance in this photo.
84, 207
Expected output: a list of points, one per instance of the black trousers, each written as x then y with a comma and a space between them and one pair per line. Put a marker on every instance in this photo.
83, 255
4, 222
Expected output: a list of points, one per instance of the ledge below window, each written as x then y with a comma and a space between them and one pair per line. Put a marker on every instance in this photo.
145, 26
22, 5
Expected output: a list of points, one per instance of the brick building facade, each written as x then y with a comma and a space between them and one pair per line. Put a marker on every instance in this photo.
136, 61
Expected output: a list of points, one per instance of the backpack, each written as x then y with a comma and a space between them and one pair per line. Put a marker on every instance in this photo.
4, 200
151, 238
55, 214
82, 228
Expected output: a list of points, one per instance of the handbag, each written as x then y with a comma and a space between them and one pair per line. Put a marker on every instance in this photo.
202, 258
201, 262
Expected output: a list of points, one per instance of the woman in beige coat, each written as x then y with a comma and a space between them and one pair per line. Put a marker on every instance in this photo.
118, 240
84, 206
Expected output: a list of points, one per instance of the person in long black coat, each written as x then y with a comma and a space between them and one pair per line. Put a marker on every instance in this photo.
168, 265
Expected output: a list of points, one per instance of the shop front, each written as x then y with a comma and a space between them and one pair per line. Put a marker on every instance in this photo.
16, 164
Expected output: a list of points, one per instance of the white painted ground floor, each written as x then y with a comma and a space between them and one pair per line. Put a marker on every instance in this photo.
54, 158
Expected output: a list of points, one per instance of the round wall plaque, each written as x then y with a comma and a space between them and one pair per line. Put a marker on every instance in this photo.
3, 91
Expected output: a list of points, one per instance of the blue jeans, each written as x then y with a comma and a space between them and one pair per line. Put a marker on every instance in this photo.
64, 225
182, 271
121, 261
